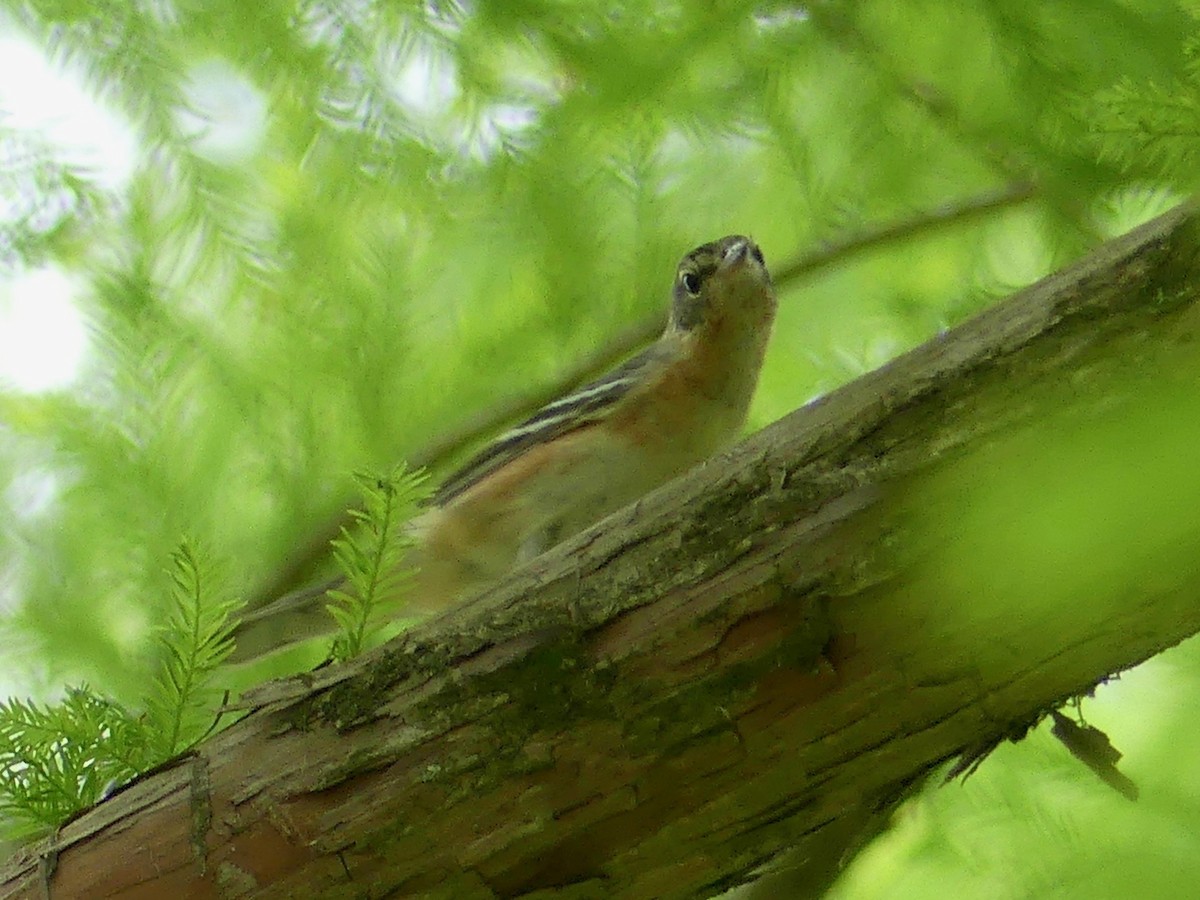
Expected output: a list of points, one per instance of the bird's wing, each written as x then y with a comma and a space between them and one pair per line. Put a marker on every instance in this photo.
583, 406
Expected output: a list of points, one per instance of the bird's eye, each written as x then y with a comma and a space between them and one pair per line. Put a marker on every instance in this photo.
691, 283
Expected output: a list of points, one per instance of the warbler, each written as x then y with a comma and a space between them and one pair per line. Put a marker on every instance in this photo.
602, 446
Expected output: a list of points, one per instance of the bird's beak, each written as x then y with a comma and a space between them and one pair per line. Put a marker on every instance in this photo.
735, 253
742, 253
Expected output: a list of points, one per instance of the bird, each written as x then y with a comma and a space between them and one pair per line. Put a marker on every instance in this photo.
597, 448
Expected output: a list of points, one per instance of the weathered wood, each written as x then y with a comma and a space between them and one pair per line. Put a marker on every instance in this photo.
757, 657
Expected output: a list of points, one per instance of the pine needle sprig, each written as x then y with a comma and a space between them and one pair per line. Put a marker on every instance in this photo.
196, 639
1153, 129
371, 556
57, 759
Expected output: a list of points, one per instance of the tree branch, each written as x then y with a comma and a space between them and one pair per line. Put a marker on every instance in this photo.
761, 655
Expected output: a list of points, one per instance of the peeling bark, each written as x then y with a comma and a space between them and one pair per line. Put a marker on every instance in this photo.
762, 656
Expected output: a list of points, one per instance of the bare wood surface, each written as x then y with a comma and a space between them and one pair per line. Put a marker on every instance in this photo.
758, 657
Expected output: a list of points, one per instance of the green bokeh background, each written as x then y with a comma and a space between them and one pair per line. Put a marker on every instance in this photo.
448, 204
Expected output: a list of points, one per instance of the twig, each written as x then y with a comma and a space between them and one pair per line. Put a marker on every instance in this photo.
926, 96
836, 253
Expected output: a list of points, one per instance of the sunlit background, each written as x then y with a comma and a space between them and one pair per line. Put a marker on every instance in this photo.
243, 255
43, 336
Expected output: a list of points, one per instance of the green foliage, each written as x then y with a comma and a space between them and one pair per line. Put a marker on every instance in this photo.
195, 640
45, 200
372, 558
1152, 128
59, 758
